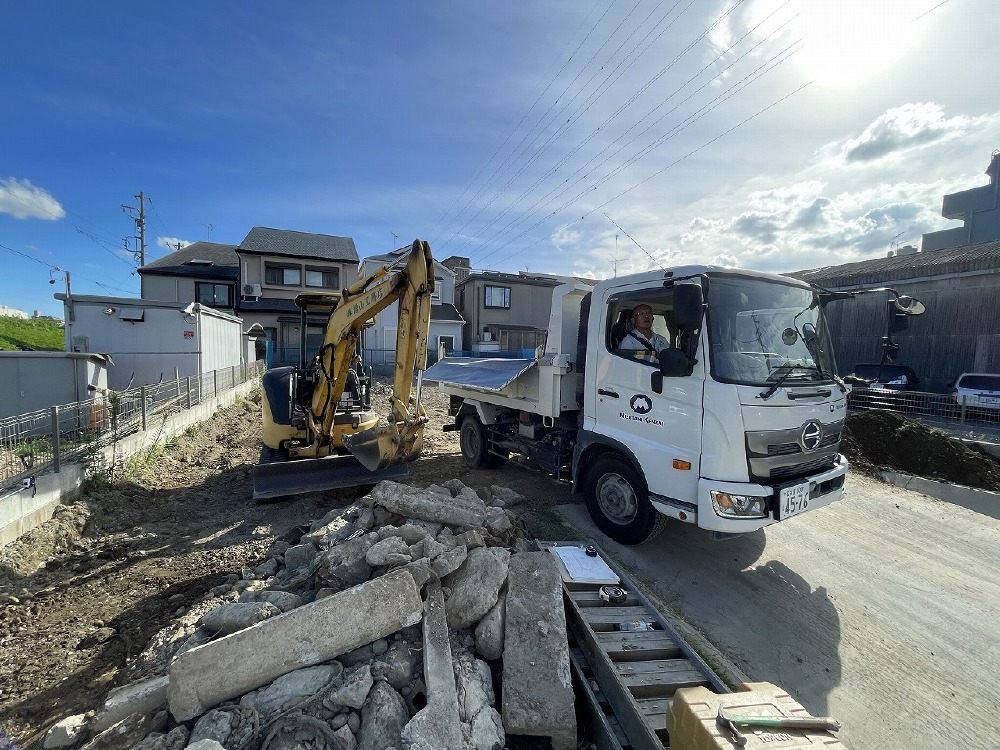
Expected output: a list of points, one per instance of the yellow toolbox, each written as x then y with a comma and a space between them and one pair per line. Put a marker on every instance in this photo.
693, 721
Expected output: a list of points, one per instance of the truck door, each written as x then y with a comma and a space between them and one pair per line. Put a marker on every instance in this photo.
660, 426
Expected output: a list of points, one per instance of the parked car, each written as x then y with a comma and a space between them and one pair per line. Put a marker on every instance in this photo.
977, 390
887, 386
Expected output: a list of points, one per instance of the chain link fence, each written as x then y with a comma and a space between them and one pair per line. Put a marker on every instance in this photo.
39, 441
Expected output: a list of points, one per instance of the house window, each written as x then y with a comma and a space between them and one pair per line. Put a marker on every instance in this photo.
497, 296
323, 278
283, 275
214, 295
438, 286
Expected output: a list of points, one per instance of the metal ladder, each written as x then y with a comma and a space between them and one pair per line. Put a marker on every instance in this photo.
627, 661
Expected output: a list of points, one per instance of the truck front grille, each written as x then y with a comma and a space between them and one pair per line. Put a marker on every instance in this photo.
779, 455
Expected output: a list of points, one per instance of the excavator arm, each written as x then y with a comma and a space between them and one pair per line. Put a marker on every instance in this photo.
410, 282
304, 425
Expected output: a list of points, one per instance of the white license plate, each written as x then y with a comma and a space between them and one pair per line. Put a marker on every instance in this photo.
793, 500
989, 400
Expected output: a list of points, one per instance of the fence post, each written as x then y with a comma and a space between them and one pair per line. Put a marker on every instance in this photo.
232, 377
188, 391
961, 416
142, 397
55, 439
177, 378
215, 383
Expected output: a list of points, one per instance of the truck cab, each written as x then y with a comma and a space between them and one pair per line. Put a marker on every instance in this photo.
736, 425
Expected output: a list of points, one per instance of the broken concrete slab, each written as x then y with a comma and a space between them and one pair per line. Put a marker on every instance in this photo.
324, 629
233, 616
490, 630
537, 686
145, 697
430, 506
437, 725
475, 586
382, 719
66, 732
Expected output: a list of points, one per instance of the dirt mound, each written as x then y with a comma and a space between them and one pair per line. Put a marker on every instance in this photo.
878, 439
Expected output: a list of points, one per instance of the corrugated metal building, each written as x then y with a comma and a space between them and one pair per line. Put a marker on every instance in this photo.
150, 341
37, 380
959, 332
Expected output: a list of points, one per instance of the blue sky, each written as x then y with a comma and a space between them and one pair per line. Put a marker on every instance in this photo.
579, 138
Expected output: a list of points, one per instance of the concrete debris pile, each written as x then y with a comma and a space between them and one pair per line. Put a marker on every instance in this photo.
386, 625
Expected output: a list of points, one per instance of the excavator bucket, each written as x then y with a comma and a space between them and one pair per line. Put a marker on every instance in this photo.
282, 479
380, 448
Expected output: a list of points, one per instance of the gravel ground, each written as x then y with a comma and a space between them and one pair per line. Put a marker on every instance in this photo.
81, 596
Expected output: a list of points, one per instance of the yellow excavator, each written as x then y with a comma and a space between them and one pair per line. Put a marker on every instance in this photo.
315, 436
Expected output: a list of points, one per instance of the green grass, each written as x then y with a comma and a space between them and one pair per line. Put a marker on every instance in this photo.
39, 334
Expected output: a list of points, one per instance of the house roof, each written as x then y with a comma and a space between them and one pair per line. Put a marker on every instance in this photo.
492, 277
201, 259
386, 258
984, 256
266, 241
445, 312
269, 305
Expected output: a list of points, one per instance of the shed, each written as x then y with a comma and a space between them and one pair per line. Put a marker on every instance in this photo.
37, 380
150, 341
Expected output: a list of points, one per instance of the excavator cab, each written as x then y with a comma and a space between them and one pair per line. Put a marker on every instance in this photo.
316, 435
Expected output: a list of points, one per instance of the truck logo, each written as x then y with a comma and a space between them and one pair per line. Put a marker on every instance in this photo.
641, 404
812, 435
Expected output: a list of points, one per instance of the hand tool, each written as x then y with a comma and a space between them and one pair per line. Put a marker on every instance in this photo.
733, 722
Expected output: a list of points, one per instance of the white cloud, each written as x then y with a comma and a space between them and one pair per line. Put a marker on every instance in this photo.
172, 244
22, 200
901, 129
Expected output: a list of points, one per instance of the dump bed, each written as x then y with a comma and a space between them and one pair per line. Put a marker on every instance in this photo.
546, 384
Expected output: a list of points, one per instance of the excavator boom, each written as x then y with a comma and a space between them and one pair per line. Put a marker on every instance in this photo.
303, 422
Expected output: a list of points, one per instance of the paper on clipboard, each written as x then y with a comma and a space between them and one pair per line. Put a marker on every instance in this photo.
578, 566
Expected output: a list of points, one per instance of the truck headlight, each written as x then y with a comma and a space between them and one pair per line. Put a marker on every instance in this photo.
739, 506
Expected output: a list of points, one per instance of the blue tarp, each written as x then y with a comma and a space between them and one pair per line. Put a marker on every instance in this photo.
488, 374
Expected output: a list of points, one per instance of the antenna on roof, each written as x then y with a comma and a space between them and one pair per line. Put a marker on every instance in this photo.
209, 227
394, 237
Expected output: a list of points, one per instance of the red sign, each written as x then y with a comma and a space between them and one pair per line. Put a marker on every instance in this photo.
189, 334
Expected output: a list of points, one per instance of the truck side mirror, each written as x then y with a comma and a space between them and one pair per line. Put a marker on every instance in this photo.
688, 305
674, 363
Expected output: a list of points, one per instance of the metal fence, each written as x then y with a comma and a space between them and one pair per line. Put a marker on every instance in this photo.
40, 440
938, 410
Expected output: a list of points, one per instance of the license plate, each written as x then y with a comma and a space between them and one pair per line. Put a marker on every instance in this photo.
793, 500
989, 400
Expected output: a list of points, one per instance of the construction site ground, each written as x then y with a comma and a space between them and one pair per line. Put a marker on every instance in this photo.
82, 595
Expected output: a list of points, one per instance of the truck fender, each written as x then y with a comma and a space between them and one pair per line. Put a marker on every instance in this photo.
589, 446
488, 413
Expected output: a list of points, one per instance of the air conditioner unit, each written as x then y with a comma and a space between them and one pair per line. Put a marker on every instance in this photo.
251, 290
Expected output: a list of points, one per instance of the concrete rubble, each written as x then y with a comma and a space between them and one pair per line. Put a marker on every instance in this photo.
396, 622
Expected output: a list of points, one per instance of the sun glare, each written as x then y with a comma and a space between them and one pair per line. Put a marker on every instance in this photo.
848, 41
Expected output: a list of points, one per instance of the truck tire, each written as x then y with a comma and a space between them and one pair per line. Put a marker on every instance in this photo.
475, 446
618, 502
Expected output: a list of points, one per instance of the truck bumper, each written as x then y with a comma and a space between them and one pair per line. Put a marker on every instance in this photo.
824, 488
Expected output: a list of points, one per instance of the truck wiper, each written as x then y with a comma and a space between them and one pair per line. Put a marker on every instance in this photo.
789, 369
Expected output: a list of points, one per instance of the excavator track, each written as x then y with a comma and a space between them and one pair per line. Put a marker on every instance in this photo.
627, 661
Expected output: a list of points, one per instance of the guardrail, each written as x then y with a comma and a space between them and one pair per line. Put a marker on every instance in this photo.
41, 440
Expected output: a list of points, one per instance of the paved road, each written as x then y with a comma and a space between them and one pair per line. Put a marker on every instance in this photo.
882, 610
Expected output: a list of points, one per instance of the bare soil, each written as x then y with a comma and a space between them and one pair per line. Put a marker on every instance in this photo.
82, 595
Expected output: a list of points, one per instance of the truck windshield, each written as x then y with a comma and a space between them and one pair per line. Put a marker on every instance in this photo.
760, 331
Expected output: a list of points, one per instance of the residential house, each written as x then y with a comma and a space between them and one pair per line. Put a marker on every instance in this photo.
446, 321
203, 272
258, 280
507, 311
978, 209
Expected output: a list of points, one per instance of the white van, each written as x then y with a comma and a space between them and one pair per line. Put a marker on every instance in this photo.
977, 390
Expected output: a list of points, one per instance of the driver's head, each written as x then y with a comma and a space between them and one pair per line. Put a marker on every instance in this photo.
642, 317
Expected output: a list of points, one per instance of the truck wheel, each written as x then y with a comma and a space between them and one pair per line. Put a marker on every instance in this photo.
619, 502
474, 444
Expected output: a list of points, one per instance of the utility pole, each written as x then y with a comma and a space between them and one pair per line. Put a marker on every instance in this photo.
139, 217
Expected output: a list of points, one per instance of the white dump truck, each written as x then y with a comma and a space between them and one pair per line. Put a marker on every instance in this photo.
734, 426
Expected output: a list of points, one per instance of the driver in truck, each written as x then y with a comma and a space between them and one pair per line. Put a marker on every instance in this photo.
640, 336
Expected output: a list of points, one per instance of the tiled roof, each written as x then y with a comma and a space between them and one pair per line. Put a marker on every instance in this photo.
269, 304
966, 259
299, 245
223, 263
446, 312
498, 277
